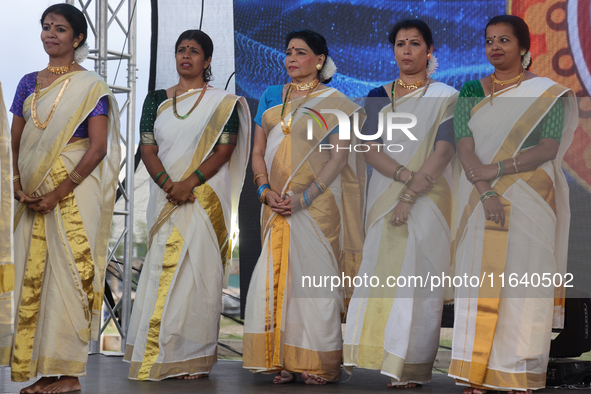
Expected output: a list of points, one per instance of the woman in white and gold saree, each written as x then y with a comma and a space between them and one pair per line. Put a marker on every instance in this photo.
195, 144
65, 146
396, 328
512, 130
310, 223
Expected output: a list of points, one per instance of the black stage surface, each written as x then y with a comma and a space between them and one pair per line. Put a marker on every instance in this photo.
108, 375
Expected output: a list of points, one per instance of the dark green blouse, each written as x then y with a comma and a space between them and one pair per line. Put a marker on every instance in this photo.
472, 93
153, 100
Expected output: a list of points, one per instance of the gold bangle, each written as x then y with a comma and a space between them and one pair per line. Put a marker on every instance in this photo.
302, 202
409, 180
515, 166
75, 177
397, 172
498, 169
257, 176
16, 178
264, 195
408, 198
322, 185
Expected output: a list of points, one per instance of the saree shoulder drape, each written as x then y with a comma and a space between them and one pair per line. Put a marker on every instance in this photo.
288, 324
60, 258
175, 320
6, 220
396, 329
502, 335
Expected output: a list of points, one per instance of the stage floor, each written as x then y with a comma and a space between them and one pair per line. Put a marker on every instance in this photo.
108, 375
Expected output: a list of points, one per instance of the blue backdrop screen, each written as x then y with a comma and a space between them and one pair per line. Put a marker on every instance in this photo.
357, 36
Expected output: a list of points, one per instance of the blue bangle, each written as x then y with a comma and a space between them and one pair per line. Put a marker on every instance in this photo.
307, 198
262, 188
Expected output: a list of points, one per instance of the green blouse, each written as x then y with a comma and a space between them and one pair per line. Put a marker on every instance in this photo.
472, 93
153, 100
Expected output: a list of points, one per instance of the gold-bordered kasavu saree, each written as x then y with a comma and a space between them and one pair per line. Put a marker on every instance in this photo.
287, 325
175, 320
396, 329
6, 220
60, 258
502, 334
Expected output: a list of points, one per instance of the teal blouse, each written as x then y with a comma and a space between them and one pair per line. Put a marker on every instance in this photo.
472, 93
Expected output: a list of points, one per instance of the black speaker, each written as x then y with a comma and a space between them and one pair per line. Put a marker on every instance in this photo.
574, 339
568, 372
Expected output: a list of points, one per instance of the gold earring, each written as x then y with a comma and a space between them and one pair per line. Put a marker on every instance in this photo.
429, 57
75, 45
522, 53
319, 67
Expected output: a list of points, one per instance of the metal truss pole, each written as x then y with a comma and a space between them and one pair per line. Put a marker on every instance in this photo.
130, 170
102, 26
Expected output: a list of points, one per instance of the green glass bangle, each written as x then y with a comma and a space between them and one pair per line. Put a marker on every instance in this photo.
502, 168
158, 176
200, 176
165, 179
488, 193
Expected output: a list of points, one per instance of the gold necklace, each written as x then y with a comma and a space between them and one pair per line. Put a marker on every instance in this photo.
394, 92
508, 81
287, 129
413, 86
304, 86
194, 105
502, 83
60, 69
43, 125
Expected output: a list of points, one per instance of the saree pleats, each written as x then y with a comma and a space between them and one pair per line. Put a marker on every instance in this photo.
502, 334
392, 328
175, 320
289, 325
60, 257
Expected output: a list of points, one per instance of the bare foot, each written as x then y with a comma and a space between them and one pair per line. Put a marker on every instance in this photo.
472, 390
404, 386
38, 385
312, 379
284, 377
191, 377
65, 384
